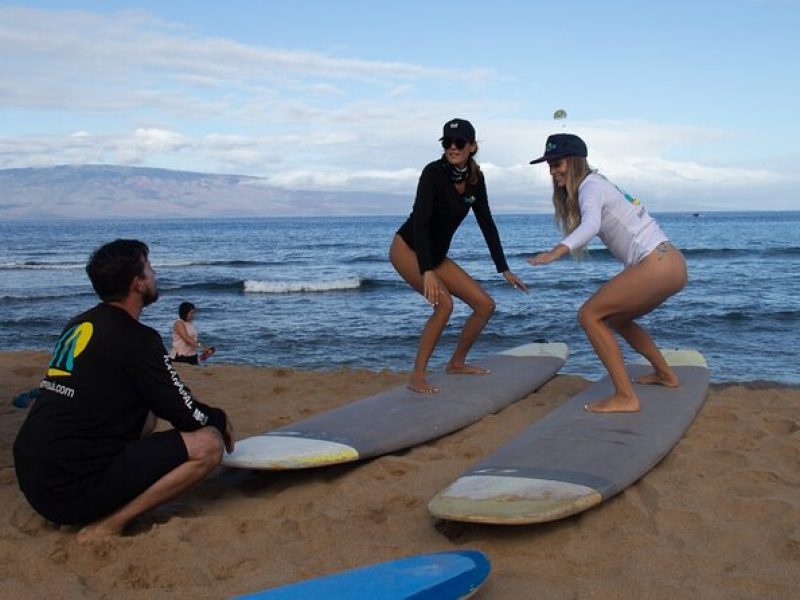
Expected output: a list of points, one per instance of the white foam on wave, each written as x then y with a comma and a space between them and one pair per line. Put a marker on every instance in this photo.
288, 287
26, 266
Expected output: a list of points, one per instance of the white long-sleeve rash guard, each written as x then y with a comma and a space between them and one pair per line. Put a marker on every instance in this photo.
625, 228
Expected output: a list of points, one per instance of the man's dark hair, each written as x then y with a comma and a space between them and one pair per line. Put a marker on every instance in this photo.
184, 308
113, 266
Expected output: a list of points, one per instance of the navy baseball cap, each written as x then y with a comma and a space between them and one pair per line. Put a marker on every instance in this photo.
561, 145
458, 129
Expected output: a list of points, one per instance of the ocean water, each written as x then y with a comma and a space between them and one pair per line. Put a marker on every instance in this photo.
319, 293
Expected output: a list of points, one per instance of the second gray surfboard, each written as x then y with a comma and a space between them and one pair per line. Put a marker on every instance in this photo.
572, 460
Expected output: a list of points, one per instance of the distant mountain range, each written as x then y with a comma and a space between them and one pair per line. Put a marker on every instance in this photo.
105, 190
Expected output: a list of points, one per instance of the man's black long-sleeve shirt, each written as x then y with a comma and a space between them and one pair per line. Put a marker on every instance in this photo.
107, 373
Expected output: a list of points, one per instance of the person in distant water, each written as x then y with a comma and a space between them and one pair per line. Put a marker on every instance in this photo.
87, 453
587, 205
185, 342
448, 188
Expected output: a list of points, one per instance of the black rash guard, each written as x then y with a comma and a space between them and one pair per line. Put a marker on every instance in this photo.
439, 210
107, 373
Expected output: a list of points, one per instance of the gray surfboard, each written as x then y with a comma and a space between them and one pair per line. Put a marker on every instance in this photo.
399, 418
572, 460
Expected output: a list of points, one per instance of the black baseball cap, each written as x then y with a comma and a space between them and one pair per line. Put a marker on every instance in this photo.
560, 145
458, 129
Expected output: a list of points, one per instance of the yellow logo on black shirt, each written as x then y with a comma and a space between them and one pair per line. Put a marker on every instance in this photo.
69, 346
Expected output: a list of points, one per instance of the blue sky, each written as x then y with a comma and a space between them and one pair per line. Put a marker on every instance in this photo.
689, 105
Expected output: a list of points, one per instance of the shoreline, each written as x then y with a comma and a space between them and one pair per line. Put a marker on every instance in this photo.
753, 384
718, 517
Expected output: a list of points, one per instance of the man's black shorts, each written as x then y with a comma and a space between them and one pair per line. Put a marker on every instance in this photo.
139, 466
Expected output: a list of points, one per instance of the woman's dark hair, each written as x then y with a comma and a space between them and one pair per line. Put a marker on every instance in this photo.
184, 308
474, 169
113, 266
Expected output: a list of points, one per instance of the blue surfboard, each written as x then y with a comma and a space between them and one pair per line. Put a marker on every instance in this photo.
437, 576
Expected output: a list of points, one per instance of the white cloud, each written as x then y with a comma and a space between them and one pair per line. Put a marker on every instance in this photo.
344, 162
400, 181
136, 90
136, 58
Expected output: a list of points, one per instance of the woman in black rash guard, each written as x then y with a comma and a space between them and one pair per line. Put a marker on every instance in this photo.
447, 189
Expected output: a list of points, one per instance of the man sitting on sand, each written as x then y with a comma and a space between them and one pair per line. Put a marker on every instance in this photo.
87, 452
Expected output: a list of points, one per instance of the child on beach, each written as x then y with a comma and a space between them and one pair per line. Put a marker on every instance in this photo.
448, 188
587, 204
185, 342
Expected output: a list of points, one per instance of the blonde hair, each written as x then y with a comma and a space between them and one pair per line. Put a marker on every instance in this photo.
565, 199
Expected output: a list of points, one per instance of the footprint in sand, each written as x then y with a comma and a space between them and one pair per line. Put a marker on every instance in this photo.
24, 520
778, 426
455, 532
59, 556
725, 459
788, 549
378, 515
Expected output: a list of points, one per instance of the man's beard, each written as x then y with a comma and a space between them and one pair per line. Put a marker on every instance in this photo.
149, 297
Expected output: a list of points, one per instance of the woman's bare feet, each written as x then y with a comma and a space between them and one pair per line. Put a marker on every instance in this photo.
420, 385
666, 379
614, 404
465, 369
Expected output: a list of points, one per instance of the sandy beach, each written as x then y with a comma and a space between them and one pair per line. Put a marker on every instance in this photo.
718, 518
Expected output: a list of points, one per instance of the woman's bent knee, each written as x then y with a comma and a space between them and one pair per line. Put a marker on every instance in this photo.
486, 310
585, 317
444, 304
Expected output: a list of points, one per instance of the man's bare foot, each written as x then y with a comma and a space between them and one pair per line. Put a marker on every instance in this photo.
452, 369
95, 532
614, 404
420, 385
665, 379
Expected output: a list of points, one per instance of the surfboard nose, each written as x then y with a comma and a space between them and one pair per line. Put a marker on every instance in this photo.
511, 500
277, 452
